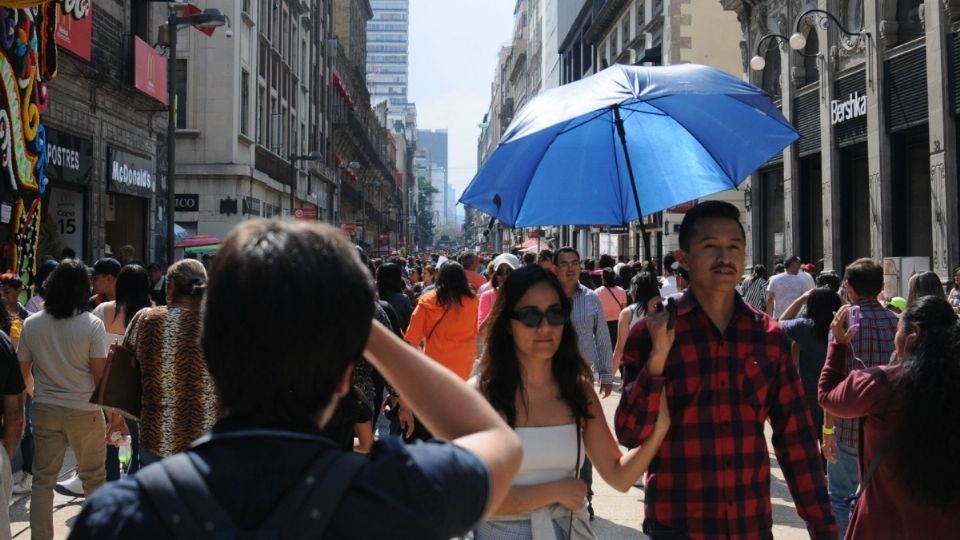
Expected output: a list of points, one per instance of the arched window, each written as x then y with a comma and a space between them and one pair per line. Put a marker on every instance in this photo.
810, 67
909, 26
771, 72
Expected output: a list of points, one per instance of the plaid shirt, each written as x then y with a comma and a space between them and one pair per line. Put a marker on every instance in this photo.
872, 346
593, 338
711, 476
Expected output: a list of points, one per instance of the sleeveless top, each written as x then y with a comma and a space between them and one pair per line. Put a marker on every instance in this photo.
549, 454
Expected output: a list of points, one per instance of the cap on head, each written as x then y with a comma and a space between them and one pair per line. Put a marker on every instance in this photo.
107, 266
508, 259
898, 302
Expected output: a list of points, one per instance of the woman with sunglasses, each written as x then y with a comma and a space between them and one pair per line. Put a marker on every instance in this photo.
533, 375
503, 264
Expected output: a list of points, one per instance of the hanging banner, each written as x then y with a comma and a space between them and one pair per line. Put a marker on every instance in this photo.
149, 71
75, 28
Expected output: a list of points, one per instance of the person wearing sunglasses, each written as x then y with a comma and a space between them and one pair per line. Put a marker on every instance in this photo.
533, 375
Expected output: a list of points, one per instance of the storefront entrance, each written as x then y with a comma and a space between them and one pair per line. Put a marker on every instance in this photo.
126, 218
911, 215
773, 229
810, 217
854, 204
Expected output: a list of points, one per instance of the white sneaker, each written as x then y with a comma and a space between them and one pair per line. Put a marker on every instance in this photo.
71, 487
24, 485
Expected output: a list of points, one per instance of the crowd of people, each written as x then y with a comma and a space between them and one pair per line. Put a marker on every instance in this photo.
282, 356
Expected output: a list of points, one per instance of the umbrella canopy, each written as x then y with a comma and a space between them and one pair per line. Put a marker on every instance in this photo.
533, 245
688, 131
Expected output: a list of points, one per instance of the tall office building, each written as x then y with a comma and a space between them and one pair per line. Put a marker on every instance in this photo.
387, 52
436, 141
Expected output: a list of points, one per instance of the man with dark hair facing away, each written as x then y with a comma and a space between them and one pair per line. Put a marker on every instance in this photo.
726, 370
872, 345
278, 393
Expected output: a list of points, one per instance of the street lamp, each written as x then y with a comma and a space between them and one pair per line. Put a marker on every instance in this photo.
757, 63
210, 18
798, 41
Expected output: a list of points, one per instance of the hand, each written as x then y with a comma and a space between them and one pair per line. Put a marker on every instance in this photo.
571, 493
405, 416
829, 448
841, 334
605, 390
661, 337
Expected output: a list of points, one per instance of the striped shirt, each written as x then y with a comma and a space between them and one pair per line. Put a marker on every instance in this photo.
593, 338
872, 346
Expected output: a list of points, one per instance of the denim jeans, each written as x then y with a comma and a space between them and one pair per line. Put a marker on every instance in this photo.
22, 459
843, 479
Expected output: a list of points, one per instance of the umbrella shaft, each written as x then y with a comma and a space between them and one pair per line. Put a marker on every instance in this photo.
633, 185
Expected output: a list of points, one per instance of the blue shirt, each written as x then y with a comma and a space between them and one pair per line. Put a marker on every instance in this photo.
593, 338
426, 490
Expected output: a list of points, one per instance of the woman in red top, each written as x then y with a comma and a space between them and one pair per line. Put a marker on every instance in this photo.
911, 419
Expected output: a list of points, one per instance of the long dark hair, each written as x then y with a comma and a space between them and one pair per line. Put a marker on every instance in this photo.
928, 437
500, 379
452, 284
643, 287
389, 280
133, 291
821, 305
924, 284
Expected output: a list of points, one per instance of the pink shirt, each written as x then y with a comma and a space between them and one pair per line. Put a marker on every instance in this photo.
614, 299
487, 300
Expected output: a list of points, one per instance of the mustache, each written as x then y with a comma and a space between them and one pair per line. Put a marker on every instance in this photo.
722, 266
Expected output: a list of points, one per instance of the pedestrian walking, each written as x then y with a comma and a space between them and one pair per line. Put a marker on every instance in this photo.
924, 284
179, 402
726, 371
533, 375
614, 299
755, 292
12, 390
809, 336
390, 287
62, 355
503, 265
954, 292
910, 412
643, 288
871, 346
784, 288
266, 468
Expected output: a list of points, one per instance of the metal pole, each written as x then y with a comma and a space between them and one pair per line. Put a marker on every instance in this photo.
633, 184
171, 134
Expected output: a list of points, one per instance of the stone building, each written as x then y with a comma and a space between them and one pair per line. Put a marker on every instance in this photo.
106, 137
253, 128
874, 95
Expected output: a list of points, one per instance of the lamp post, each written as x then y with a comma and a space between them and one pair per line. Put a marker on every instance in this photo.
210, 18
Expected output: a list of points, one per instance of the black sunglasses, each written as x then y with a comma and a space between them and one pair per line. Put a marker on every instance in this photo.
532, 317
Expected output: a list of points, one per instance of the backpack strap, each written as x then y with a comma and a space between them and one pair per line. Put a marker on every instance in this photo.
306, 510
874, 465
180, 495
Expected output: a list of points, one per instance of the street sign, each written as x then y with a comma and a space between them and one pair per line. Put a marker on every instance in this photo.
189, 202
309, 214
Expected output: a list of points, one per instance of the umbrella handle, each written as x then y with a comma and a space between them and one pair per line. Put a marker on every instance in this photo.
497, 201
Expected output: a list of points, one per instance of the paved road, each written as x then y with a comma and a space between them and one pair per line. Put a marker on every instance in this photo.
619, 515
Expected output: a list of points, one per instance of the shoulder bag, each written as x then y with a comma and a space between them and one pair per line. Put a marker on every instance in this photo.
120, 390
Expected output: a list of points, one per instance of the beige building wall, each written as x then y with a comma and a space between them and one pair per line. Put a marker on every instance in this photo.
710, 36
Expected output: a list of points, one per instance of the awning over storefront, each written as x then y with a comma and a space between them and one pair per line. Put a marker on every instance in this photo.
652, 55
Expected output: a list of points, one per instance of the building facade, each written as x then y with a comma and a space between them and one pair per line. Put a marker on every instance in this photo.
388, 52
874, 173
105, 136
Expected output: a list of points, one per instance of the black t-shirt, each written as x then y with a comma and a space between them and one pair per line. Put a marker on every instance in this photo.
353, 409
11, 381
423, 491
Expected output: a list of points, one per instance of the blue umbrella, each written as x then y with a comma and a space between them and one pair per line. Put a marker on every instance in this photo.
598, 150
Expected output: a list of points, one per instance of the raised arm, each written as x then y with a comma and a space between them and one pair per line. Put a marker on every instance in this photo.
431, 389
621, 470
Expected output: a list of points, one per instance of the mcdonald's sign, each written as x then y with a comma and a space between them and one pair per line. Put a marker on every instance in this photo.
75, 35
149, 71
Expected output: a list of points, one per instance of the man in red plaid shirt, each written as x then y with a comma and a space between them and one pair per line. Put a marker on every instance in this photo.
726, 370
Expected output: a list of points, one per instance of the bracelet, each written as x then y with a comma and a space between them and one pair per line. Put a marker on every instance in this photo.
827, 430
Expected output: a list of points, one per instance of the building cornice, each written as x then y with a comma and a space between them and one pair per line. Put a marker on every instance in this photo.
605, 17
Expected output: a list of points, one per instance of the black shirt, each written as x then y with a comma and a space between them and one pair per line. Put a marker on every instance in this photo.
11, 381
426, 490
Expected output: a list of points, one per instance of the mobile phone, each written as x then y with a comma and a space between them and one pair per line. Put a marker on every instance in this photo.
853, 323
672, 311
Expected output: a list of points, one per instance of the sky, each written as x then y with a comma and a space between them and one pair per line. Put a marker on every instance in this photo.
453, 56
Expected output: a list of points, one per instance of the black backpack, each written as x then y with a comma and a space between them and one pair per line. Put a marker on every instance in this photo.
189, 510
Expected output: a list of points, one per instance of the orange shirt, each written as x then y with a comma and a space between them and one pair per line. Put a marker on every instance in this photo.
476, 280
450, 332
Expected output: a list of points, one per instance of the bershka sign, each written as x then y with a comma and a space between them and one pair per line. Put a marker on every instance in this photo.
854, 106
130, 174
